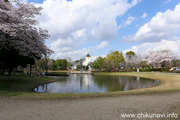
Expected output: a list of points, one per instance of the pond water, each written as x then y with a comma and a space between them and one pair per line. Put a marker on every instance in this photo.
87, 83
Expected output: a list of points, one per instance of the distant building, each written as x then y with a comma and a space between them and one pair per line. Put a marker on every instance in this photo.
85, 62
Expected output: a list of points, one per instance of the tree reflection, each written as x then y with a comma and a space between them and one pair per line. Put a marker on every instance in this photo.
110, 82
122, 83
83, 83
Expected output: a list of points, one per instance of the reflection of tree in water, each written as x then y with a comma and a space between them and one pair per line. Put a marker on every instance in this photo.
42, 88
110, 82
122, 83
96, 83
135, 82
81, 82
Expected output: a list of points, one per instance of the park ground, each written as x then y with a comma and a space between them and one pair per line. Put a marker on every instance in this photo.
103, 108
161, 99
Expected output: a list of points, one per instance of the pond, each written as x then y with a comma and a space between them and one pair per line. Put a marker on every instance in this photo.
87, 83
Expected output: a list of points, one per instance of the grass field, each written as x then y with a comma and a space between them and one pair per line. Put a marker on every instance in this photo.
21, 86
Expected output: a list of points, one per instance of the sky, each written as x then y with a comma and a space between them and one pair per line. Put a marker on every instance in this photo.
78, 27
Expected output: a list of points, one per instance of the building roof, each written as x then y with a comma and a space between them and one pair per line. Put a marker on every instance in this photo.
88, 55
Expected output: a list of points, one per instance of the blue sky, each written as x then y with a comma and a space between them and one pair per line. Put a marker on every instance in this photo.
96, 27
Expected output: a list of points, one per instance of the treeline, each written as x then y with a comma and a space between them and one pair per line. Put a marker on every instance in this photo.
51, 64
113, 60
153, 61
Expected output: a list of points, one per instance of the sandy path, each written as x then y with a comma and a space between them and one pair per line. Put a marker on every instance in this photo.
107, 108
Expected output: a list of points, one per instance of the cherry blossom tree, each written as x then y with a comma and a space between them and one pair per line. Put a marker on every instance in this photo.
160, 57
134, 61
19, 34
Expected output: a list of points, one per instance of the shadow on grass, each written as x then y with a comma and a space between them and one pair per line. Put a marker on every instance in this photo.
20, 83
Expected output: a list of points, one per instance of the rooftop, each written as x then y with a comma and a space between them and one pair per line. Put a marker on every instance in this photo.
88, 55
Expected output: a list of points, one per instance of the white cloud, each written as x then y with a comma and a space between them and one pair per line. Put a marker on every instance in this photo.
144, 15
162, 26
74, 55
95, 57
129, 20
161, 45
134, 2
168, 1
14, 2
74, 23
64, 49
61, 45
96, 17
25, 1
103, 45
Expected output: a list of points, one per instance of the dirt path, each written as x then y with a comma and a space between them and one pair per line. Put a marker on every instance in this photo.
107, 108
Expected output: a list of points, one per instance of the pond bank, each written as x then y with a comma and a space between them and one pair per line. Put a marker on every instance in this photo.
169, 82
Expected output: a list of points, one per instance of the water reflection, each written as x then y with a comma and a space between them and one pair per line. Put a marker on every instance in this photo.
87, 83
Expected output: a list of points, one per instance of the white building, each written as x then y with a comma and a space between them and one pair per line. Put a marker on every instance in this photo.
86, 62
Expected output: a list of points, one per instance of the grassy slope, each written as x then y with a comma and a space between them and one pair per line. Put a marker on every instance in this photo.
22, 86
19, 84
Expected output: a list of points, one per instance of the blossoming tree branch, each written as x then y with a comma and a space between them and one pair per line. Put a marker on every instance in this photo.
21, 40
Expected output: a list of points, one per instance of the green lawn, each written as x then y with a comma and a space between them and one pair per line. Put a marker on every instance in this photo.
21, 86
20, 83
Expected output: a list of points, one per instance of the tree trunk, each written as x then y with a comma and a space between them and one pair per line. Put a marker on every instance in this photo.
14, 71
46, 65
3, 69
2, 73
30, 70
9, 73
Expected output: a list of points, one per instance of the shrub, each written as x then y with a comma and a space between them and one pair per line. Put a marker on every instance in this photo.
156, 69
145, 70
56, 74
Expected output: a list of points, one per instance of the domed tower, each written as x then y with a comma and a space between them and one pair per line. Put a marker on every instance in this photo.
87, 60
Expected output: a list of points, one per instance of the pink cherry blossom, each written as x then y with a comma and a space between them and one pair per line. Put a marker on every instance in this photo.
19, 29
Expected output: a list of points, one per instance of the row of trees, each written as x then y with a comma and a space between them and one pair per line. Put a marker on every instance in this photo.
21, 40
51, 64
115, 59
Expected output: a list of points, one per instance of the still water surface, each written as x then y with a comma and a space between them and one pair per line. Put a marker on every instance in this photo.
87, 83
